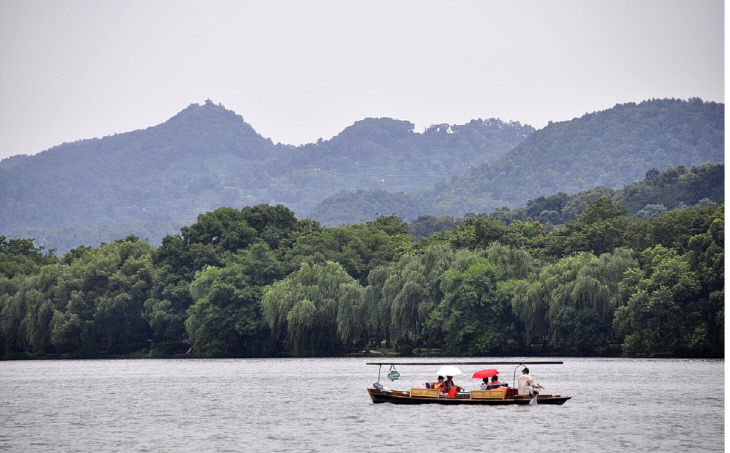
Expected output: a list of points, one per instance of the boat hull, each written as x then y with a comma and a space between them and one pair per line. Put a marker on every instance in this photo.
398, 397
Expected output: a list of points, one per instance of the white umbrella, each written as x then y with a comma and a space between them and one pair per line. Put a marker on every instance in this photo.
449, 370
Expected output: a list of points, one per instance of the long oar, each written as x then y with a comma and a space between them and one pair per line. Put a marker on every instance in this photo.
533, 401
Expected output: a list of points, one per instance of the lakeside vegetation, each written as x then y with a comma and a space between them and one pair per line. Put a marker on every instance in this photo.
258, 282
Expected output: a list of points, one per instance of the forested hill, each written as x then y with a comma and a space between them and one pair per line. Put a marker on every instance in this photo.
610, 148
658, 193
150, 182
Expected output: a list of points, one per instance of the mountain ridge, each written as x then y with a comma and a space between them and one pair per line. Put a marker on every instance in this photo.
627, 135
207, 156
606, 148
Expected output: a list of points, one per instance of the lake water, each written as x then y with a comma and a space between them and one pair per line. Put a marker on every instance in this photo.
321, 405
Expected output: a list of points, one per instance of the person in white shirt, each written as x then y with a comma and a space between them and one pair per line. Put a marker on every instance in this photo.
485, 383
526, 386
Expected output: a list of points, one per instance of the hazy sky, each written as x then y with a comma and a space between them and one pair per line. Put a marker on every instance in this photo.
300, 70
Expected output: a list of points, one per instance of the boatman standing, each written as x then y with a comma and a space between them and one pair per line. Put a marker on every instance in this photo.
526, 386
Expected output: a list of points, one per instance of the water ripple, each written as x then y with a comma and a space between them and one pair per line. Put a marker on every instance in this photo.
321, 405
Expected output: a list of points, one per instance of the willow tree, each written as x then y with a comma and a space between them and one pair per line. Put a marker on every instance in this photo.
402, 292
376, 316
530, 304
13, 311
474, 315
573, 301
515, 262
400, 296
313, 311
350, 314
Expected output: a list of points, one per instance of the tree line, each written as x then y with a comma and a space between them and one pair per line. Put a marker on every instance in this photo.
258, 282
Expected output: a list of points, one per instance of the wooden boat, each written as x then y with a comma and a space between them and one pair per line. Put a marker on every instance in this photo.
380, 394
473, 397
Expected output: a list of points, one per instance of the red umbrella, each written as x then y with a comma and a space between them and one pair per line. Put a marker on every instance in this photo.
489, 372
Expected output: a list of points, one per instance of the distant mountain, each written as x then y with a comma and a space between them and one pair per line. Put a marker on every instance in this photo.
658, 192
386, 154
12, 161
149, 182
362, 206
608, 148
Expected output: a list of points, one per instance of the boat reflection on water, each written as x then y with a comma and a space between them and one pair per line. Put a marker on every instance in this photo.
491, 396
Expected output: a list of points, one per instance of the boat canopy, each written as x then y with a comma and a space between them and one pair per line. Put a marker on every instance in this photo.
394, 375
467, 363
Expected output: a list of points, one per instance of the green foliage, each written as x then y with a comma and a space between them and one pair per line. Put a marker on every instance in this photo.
674, 188
21, 257
474, 316
208, 243
358, 248
258, 282
225, 318
273, 224
311, 311
400, 296
674, 229
515, 262
89, 305
224, 228
674, 304
602, 227
426, 225
105, 289
479, 232
660, 313
175, 264
570, 305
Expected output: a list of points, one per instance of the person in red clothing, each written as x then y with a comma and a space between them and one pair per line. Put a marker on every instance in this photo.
451, 388
439, 385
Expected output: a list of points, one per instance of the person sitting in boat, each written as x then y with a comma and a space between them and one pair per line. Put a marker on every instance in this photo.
526, 386
494, 384
485, 383
439, 385
451, 388
497, 385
